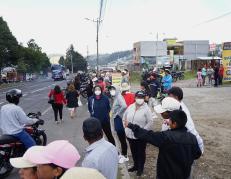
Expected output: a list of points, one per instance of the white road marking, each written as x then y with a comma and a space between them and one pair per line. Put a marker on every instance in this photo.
39, 90
48, 109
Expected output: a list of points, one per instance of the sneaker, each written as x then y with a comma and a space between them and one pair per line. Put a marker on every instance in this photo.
57, 122
123, 159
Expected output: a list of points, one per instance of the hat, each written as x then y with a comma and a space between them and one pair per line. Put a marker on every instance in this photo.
23, 162
60, 152
168, 104
125, 87
140, 94
82, 173
92, 126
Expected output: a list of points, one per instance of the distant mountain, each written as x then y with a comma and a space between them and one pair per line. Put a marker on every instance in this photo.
110, 58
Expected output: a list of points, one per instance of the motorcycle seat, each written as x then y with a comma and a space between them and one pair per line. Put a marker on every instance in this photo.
7, 139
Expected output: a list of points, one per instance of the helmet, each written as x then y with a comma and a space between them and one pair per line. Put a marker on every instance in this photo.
13, 95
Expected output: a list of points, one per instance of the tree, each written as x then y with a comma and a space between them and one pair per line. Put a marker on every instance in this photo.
8, 45
79, 62
62, 61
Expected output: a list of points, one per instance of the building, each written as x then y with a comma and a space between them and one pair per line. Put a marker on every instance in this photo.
149, 51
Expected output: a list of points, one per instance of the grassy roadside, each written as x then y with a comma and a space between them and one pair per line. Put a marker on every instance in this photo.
189, 75
135, 78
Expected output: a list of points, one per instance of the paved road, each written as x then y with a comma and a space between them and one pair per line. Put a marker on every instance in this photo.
35, 99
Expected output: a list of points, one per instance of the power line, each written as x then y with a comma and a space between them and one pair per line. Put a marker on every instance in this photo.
213, 19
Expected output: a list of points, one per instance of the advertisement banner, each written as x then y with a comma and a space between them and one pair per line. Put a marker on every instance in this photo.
116, 79
226, 61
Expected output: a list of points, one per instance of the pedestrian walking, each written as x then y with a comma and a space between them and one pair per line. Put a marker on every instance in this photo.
99, 107
221, 74
72, 100
216, 75
203, 73
210, 74
118, 108
57, 104
100, 154
138, 113
199, 78
177, 148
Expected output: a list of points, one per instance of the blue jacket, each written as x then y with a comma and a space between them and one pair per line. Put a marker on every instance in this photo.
167, 82
99, 108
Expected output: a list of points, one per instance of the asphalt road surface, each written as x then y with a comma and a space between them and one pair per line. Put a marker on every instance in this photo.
35, 99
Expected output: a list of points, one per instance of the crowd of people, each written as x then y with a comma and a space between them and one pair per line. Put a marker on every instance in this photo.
209, 75
132, 117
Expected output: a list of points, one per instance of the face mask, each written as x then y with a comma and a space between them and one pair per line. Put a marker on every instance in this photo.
97, 93
112, 92
139, 101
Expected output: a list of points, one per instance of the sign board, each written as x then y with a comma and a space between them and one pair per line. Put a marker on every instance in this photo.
212, 47
226, 61
116, 79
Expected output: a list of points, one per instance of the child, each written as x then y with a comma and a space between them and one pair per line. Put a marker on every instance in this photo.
199, 78
177, 147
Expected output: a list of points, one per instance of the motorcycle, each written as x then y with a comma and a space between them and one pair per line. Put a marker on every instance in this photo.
11, 147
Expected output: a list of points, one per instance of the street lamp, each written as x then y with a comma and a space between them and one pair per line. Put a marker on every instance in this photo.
97, 21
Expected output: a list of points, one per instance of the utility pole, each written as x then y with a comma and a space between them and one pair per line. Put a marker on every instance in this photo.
97, 45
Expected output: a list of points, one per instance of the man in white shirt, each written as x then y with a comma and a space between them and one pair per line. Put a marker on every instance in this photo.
100, 154
13, 119
177, 93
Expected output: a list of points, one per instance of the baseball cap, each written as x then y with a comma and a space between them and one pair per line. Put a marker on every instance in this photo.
140, 93
60, 152
24, 161
168, 104
125, 87
82, 173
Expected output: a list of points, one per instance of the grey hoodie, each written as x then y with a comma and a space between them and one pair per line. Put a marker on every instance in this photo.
118, 105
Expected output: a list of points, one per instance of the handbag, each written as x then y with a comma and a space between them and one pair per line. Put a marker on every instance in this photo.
51, 100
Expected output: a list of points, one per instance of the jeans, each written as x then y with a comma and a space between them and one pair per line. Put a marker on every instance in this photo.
25, 138
138, 148
58, 108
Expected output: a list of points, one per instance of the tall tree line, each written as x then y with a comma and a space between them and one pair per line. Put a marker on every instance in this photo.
25, 59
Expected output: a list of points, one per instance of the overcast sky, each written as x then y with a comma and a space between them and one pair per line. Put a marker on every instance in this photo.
55, 24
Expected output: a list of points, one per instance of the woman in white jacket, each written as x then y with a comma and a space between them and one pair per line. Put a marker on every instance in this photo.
138, 113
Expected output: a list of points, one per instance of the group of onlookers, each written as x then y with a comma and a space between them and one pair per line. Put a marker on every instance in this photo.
214, 75
133, 118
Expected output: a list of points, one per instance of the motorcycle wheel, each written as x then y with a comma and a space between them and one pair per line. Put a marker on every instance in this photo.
41, 139
5, 167
181, 77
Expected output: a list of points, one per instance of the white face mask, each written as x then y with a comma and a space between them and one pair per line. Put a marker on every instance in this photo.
112, 92
139, 101
97, 93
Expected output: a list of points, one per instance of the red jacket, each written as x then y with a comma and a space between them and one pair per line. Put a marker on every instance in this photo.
58, 97
129, 98
221, 71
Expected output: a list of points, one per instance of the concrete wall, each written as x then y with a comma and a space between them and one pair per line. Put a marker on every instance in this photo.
195, 48
153, 48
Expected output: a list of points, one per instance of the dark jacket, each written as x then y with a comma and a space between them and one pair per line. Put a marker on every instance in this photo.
72, 99
177, 151
154, 85
99, 108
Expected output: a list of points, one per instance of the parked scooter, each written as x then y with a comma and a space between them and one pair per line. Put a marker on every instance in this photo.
11, 147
